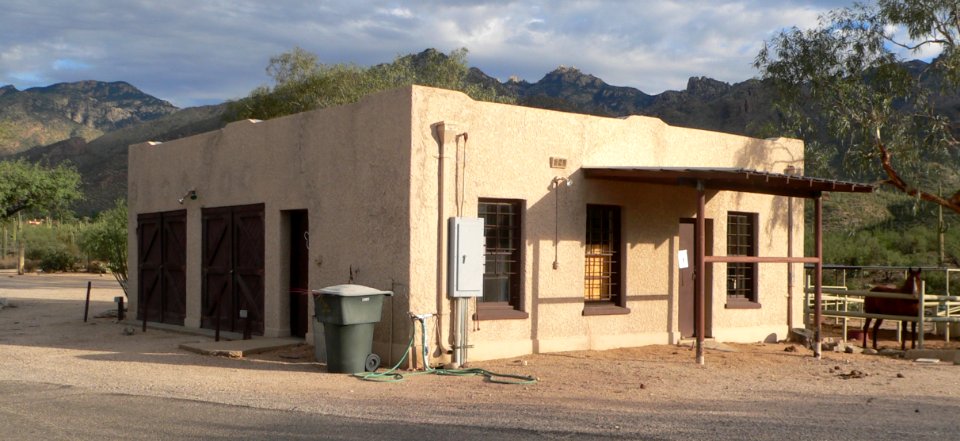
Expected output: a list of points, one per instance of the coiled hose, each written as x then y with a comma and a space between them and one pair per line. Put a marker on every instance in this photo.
393, 375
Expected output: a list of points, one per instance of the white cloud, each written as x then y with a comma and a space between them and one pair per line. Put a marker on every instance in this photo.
200, 52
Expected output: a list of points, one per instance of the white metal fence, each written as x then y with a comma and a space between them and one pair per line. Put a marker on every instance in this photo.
843, 304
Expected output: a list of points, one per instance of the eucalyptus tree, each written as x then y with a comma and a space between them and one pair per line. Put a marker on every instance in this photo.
29, 186
302, 83
851, 71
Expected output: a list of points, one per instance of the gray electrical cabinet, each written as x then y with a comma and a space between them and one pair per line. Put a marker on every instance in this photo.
466, 257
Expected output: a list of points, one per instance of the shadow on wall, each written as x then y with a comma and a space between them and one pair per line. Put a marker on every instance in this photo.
560, 216
758, 154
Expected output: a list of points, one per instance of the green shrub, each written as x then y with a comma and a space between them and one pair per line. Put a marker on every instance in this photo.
57, 261
52, 248
106, 240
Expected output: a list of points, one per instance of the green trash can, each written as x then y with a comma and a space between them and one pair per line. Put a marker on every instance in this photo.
348, 314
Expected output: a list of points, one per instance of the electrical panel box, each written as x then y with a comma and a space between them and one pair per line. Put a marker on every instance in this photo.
466, 257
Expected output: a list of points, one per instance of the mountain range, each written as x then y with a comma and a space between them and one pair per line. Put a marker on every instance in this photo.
87, 109
91, 123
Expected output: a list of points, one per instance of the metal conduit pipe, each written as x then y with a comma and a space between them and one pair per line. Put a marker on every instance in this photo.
459, 325
456, 334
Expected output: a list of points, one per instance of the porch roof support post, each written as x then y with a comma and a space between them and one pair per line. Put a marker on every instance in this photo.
818, 275
700, 269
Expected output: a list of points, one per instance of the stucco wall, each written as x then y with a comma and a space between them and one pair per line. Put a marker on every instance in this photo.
370, 176
507, 156
348, 166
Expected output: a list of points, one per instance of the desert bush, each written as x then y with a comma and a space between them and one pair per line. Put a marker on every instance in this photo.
106, 240
52, 248
57, 260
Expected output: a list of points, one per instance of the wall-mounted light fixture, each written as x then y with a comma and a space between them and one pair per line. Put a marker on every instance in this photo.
190, 194
557, 180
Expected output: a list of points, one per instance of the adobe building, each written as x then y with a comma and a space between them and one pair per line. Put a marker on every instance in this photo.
590, 226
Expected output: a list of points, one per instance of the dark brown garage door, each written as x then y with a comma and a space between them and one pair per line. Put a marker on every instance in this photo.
162, 256
233, 268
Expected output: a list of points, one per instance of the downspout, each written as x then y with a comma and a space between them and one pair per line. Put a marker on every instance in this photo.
442, 129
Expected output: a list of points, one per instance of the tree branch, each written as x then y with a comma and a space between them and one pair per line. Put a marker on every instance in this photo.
10, 211
895, 180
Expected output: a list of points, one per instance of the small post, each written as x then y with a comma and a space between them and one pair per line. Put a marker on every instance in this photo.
119, 300
946, 335
86, 306
845, 309
920, 312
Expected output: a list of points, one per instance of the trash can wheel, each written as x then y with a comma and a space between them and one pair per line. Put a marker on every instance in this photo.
372, 363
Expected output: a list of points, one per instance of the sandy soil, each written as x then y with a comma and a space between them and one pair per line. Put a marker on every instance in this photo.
759, 391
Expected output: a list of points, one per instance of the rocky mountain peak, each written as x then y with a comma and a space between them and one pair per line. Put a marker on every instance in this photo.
573, 77
706, 87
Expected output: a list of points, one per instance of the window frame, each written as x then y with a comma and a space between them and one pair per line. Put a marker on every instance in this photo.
513, 308
616, 303
751, 297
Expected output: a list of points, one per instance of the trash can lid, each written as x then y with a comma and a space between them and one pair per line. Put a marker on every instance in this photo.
350, 290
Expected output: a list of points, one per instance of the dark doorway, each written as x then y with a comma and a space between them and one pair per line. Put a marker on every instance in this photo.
233, 268
161, 257
299, 272
686, 305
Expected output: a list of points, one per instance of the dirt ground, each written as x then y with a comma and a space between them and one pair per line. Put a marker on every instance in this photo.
754, 391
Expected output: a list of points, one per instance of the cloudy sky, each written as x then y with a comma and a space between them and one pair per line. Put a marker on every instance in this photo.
193, 52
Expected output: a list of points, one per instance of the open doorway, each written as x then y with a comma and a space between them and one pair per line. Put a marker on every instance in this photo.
299, 272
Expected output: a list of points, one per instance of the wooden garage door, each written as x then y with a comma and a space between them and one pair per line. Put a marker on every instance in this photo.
233, 268
162, 257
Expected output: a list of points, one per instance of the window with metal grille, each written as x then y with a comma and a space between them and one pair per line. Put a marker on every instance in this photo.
502, 272
602, 260
742, 241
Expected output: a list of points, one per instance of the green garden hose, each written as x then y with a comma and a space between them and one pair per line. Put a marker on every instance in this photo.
393, 376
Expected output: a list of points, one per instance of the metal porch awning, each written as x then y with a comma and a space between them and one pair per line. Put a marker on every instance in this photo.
731, 179
745, 181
